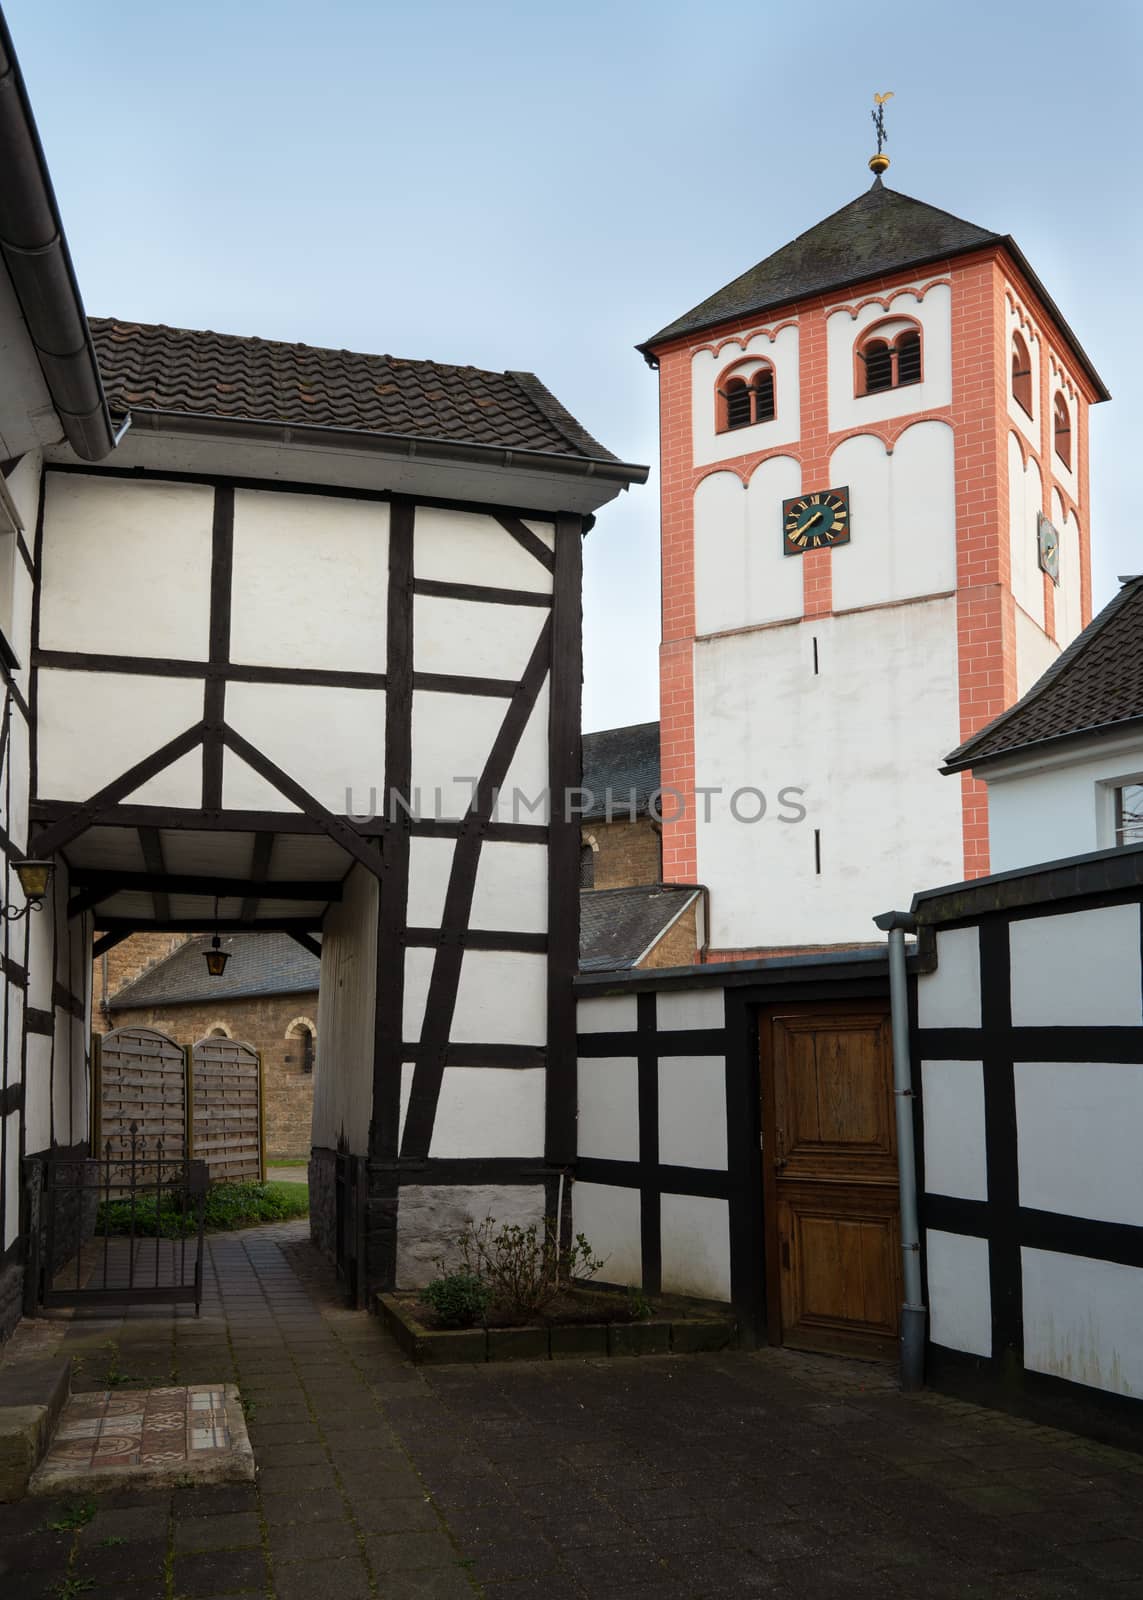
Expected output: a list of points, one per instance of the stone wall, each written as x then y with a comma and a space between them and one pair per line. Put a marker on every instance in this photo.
626, 853
263, 1022
679, 945
124, 963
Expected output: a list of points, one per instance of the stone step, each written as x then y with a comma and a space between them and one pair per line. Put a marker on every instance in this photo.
32, 1395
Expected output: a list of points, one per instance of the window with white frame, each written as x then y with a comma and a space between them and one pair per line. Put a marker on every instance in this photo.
1128, 799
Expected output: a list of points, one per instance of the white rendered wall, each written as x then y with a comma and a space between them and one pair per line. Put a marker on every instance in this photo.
960, 1292
903, 516
1078, 1128
1035, 652
474, 640
511, 893
468, 547
608, 1125
864, 738
955, 1159
692, 1111
949, 996
1058, 383
126, 566
486, 1112
707, 370
1083, 1320
611, 1220
481, 1015
1077, 969
742, 575
311, 576
843, 331
281, 720
689, 1008
608, 1014
1069, 597
1054, 808
695, 1246
1025, 500
343, 1076
77, 711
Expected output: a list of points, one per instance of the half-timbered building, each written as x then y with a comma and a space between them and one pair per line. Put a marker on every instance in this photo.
292, 642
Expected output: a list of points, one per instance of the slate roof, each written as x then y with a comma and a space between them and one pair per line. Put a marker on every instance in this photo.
880, 232
620, 760
1094, 686
618, 926
260, 963
150, 367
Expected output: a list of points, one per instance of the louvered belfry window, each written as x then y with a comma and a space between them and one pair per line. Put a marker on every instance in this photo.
1021, 373
764, 395
738, 408
878, 360
888, 360
908, 358
1062, 430
745, 401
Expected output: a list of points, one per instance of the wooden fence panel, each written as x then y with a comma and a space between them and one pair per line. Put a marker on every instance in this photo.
141, 1081
226, 1096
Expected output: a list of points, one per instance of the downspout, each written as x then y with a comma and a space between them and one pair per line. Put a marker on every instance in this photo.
913, 1313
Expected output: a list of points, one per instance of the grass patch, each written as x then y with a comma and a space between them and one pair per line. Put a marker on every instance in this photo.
288, 1161
228, 1205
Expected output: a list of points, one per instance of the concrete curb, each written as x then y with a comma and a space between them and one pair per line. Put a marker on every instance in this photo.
32, 1395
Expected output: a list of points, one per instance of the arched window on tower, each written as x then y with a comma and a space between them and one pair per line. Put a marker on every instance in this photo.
1021, 373
889, 357
746, 395
1062, 430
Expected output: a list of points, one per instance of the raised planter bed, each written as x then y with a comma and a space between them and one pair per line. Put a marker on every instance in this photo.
677, 1325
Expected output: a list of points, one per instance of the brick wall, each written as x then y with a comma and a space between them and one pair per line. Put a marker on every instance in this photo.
678, 945
125, 962
260, 1021
627, 852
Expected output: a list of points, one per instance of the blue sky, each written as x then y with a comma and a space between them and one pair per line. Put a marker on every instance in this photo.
515, 185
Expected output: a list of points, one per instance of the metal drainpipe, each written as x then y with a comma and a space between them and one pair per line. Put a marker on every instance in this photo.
913, 1312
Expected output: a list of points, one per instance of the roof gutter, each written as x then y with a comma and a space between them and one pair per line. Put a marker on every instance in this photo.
35, 252
387, 444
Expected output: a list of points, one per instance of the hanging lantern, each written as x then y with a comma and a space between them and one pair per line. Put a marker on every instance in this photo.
216, 958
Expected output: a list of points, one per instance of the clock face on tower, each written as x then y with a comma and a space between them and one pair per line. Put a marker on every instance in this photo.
1048, 541
815, 521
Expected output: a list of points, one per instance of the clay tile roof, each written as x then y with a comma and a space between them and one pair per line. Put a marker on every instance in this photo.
149, 367
260, 963
881, 231
619, 926
1095, 686
619, 761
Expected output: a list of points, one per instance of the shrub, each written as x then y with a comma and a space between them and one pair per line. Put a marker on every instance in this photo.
458, 1299
228, 1205
524, 1268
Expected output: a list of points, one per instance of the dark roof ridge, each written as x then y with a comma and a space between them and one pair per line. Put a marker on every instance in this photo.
963, 756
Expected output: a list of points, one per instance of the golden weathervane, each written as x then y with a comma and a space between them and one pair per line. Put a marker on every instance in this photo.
880, 162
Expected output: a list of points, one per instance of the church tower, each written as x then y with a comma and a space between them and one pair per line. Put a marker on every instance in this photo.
875, 537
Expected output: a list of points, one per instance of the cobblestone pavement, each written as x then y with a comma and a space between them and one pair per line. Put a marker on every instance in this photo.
659, 1478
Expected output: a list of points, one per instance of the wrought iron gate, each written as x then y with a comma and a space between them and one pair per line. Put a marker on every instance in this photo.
121, 1229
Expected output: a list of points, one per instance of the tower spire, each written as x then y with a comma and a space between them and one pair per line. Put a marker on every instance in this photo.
880, 162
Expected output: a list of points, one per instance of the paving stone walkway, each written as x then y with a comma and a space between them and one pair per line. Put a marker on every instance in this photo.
661, 1478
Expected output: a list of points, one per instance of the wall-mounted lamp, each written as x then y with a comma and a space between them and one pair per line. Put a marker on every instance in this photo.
34, 878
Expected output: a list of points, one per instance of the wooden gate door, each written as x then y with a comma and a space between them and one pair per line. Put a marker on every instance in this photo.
226, 1097
140, 1085
829, 1161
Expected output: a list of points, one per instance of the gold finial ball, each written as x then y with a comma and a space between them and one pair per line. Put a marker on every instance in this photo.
879, 164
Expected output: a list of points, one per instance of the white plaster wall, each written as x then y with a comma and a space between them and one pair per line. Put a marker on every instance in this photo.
695, 1246
949, 996
1078, 1130
1063, 806
742, 575
934, 313
609, 1014
1077, 969
343, 1076
511, 892
903, 517
490, 1111
1025, 500
1083, 1320
469, 547
1069, 592
311, 577
501, 997
692, 1111
452, 738
76, 755
37, 1093
610, 1219
690, 1008
706, 374
283, 720
474, 640
1029, 426
524, 795
864, 738
953, 1098
1035, 652
126, 566
11, 1178
608, 1126
960, 1293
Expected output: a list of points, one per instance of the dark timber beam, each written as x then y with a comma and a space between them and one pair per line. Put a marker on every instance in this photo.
107, 941
152, 847
126, 925
307, 942
260, 857
48, 812
168, 883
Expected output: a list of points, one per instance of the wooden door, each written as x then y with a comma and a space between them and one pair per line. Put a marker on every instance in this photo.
226, 1095
829, 1161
